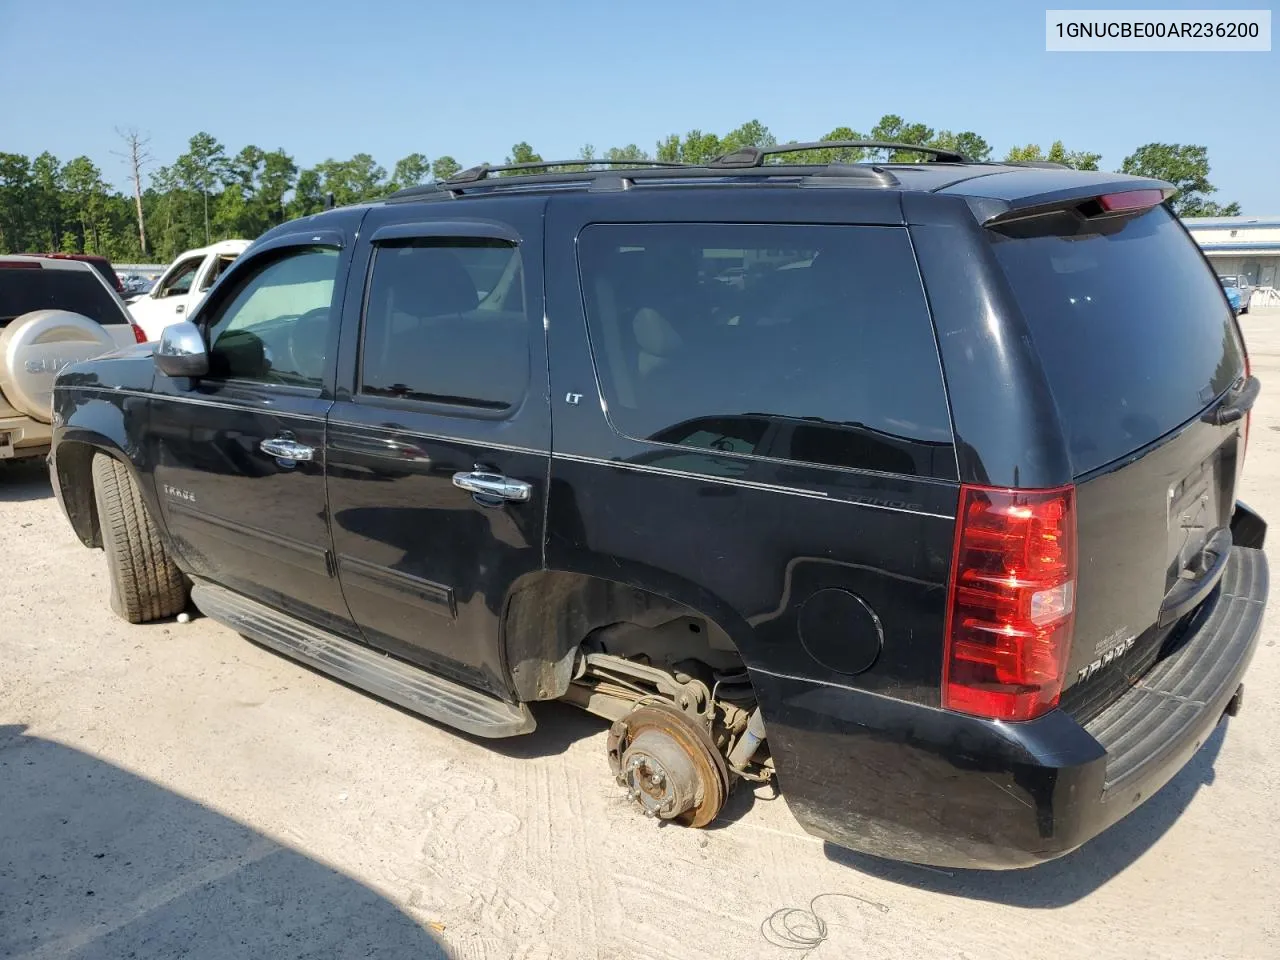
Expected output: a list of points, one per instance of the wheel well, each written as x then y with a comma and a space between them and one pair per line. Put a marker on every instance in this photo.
551, 613
74, 463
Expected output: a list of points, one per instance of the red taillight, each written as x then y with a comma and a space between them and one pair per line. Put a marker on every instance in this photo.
19, 265
138, 335
1130, 200
1011, 602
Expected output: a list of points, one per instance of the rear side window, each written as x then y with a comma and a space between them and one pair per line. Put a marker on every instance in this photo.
1131, 325
445, 323
803, 343
80, 291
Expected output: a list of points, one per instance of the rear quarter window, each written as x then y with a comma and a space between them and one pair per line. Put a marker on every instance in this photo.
79, 291
1131, 325
808, 343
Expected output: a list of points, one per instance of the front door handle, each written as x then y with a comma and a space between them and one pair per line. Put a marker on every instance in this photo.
287, 450
493, 486
180, 308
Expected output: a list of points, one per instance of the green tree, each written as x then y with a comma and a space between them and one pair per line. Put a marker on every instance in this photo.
201, 169
410, 171
277, 178
753, 133
352, 181
629, 153
894, 129
700, 148
444, 167
308, 197
966, 143
1186, 166
15, 202
47, 201
87, 194
825, 155
1031, 153
668, 149
234, 213
521, 153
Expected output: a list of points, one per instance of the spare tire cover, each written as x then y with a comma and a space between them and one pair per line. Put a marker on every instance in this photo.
35, 346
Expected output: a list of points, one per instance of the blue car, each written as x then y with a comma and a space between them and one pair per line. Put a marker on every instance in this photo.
1233, 293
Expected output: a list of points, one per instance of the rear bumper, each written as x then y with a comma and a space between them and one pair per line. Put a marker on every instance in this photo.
916, 783
27, 437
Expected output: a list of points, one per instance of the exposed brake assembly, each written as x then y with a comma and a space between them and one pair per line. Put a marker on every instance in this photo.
676, 745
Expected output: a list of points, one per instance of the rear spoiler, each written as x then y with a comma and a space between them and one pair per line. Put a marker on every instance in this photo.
1020, 195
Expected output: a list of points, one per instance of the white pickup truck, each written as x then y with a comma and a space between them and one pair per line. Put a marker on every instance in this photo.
183, 286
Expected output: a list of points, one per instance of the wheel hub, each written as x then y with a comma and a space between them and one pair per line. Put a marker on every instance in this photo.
668, 765
660, 775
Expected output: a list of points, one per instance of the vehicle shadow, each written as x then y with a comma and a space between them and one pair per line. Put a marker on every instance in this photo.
24, 480
1068, 879
560, 725
97, 862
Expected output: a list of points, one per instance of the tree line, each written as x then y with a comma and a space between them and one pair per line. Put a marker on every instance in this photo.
208, 193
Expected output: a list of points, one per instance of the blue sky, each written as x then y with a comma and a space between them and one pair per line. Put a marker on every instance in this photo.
329, 79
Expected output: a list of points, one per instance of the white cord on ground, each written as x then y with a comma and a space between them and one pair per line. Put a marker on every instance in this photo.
795, 928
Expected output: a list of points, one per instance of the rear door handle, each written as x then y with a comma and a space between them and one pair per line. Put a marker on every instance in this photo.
287, 450
180, 308
493, 486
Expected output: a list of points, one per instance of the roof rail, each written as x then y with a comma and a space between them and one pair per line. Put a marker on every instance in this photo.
1038, 164
483, 170
816, 175
755, 156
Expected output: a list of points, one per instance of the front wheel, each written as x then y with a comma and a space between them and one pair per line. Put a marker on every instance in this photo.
145, 584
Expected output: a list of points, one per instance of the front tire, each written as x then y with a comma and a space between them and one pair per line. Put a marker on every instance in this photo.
145, 584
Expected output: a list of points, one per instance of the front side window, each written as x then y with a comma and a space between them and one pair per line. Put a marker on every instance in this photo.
179, 282
805, 343
278, 325
445, 323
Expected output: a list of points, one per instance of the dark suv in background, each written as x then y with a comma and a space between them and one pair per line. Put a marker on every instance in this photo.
885, 480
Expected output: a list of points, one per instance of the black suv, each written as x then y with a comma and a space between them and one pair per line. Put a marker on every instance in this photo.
912, 485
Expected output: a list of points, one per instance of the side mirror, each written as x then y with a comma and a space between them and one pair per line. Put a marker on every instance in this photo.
181, 351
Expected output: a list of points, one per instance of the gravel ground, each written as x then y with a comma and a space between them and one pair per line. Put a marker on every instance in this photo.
173, 790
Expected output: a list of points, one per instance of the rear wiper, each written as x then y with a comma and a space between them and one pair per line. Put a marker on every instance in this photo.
1233, 404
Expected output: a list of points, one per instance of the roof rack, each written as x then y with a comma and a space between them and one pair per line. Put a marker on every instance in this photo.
756, 156
605, 181
483, 170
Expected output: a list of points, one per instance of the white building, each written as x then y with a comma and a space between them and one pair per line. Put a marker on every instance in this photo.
1243, 246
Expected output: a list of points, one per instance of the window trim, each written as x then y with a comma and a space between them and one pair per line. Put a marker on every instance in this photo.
248, 266
440, 230
607, 413
447, 229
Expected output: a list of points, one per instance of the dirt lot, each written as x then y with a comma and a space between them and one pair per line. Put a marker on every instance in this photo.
174, 790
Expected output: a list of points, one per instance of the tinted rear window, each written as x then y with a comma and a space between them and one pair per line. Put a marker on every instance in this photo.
23, 290
792, 342
1131, 325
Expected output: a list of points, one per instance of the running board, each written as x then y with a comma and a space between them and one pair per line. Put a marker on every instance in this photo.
408, 686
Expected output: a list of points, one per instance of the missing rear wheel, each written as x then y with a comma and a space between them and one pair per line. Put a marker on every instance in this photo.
668, 765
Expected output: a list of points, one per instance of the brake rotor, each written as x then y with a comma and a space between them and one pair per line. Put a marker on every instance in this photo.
669, 765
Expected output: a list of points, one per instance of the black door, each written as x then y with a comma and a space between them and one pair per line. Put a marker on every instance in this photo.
240, 454
438, 444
